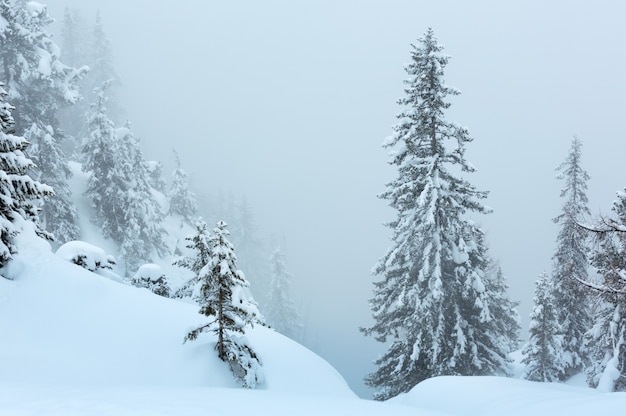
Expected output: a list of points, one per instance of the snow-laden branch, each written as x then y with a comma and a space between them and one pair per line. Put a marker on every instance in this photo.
602, 288
605, 226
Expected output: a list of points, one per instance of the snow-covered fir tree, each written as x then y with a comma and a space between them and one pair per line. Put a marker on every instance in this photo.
200, 244
90, 47
245, 231
505, 322
280, 311
118, 186
102, 55
72, 38
182, 200
18, 191
99, 163
541, 352
222, 299
155, 175
59, 213
431, 303
606, 342
40, 85
571, 263
100, 62
73, 49
142, 232
250, 247
607, 345
52, 166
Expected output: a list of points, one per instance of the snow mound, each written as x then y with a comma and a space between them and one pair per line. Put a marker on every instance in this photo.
86, 255
495, 396
150, 271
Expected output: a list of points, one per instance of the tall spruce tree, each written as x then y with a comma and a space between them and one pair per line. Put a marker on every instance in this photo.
99, 152
606, 342
18, 191
118, 186
182, 200
101, 69
142, 232
222, 298
72, 39
73, 48
505, 322
59, 213
571, 263
541, 352
432, 303
155, 175
40, 85
250, 246
280, 310
89, 47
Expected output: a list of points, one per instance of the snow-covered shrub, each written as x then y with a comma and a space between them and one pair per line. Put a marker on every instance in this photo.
86, 255
151, 276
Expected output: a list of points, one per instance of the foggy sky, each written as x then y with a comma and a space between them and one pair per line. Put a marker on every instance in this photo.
288, 102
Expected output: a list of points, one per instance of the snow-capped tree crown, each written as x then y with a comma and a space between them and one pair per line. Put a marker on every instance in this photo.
421, 148
182, 200
574, 191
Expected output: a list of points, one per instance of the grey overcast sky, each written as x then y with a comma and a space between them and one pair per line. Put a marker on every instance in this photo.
288, 103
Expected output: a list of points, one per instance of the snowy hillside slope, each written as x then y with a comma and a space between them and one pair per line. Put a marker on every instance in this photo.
74, 342
61, 324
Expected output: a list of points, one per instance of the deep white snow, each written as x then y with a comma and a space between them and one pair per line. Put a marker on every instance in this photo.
77, 343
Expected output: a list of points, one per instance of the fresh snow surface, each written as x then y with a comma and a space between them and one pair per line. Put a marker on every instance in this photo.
496, 396
76, 343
